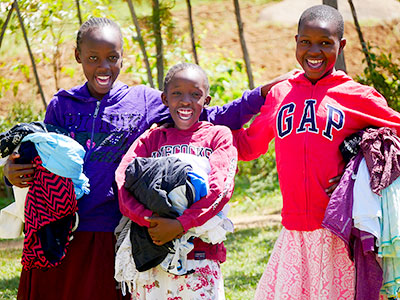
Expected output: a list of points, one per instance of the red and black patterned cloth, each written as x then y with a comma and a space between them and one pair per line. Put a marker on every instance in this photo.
49, 217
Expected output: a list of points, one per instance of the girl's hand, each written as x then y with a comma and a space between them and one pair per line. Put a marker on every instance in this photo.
163, 230
335, 181
18, 174
266, 87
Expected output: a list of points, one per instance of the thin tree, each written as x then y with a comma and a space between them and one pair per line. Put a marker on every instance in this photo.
340, 62
191, 27
4, 27
360, 35
243, 44
21, 22
141, 42
78, 7
159, 46
332, 3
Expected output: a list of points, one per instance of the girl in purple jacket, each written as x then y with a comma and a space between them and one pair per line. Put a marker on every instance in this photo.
106, 117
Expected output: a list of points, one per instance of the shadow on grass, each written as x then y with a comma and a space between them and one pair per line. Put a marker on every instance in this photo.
265, 236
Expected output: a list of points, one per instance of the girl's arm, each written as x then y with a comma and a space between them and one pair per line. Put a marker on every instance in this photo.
253, 141
238, 112
223, 163
128, 205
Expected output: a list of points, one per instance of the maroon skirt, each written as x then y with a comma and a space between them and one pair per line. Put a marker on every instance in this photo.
87, 272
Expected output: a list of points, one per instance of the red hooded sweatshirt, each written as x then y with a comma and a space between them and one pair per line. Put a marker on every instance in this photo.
308, 123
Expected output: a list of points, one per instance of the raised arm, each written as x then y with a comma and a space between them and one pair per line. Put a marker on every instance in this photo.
253, 141
238, 112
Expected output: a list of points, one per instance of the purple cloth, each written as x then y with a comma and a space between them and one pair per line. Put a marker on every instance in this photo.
381, 148
338, 214
123, 115
338, 219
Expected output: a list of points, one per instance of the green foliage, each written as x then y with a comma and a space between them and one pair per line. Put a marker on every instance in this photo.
384, 76
20, 112
6, 84
4, 202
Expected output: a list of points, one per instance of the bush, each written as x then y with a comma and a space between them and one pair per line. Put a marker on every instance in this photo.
384, 76
20, 113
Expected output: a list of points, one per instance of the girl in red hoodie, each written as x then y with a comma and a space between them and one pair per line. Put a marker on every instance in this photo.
309, 115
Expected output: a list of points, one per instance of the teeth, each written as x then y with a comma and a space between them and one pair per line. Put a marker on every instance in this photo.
185, 114
103, 80
315, 61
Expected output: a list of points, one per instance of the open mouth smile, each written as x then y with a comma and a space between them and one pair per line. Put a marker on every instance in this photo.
185, 113
103, 80
314, 63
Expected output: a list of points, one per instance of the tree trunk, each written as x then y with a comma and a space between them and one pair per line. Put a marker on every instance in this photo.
191, 27
141, 43
78, 7
21, 22
243, 44
332, 3
340, 63
360, 35
159, 47
3, 29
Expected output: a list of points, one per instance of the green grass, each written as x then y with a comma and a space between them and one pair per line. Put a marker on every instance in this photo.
248, 251
243, 203
10, 268
4, 202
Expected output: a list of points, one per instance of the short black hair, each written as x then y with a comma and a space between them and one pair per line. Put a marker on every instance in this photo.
95, 23
324, 13
184, 66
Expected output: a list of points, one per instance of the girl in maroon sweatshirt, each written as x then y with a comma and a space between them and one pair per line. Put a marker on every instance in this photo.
185, 93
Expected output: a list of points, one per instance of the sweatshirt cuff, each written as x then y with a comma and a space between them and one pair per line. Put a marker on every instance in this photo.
184, 222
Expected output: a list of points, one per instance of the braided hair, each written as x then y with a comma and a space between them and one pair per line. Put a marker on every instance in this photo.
184, 66
93, 23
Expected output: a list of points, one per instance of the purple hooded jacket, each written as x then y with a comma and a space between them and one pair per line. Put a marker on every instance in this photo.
106, 128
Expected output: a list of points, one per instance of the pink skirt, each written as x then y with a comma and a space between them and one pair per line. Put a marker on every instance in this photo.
307, 265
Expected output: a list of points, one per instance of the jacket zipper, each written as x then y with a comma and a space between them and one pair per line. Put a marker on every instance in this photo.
96, 112
305, 163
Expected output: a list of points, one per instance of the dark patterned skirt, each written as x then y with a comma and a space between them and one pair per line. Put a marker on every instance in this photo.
87, 272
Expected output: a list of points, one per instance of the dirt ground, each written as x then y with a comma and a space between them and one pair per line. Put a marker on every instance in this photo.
270, 42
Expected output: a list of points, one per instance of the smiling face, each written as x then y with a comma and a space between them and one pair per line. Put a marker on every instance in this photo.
317, 48
185, 97
100, 54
